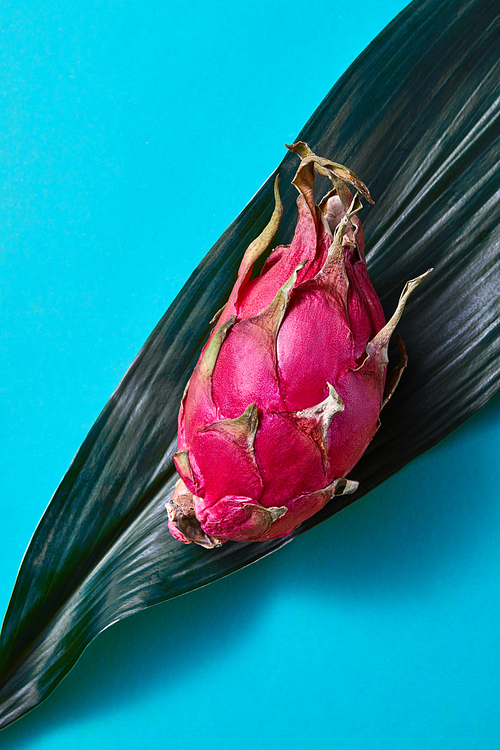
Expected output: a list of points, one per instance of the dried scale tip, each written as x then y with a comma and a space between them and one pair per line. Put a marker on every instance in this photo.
287, 392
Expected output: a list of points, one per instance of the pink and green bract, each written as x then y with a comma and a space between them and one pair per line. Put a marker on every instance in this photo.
287, 392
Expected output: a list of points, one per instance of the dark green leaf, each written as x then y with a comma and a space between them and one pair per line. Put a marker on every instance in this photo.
417, 117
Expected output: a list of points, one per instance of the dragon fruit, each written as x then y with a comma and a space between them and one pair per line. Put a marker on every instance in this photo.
287, 392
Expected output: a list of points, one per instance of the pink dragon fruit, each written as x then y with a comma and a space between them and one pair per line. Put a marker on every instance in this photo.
288, 390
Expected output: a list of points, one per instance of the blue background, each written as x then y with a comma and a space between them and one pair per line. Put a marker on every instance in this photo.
378, 629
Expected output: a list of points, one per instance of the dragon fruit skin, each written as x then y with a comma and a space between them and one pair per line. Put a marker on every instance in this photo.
287, 392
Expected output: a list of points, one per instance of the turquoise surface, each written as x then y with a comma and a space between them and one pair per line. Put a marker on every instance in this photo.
379, 628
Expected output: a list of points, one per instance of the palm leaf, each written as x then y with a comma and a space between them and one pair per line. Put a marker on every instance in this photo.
417, 117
